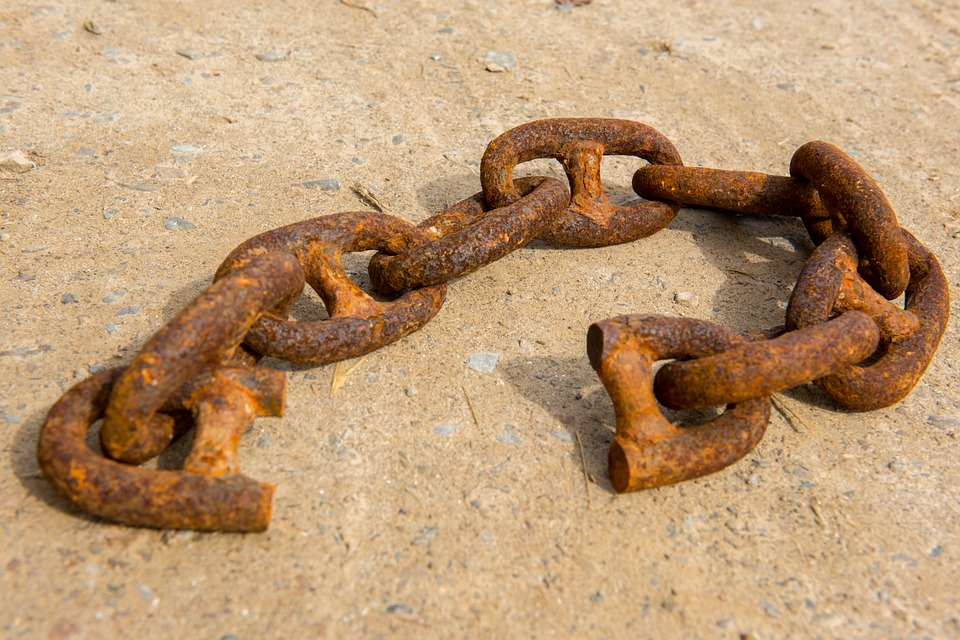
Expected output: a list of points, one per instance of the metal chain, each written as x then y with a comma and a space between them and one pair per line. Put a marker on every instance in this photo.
841, 332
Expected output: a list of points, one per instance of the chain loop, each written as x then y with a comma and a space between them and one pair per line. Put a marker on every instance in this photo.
202, 337
648, 450
135, 495
739, 191
856, 200
469, 235
579, 144
357, 323
902, 357
760, 369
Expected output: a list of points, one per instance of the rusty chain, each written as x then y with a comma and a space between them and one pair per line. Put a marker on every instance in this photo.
842, 330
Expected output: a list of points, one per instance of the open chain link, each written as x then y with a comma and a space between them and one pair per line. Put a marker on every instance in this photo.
842, 331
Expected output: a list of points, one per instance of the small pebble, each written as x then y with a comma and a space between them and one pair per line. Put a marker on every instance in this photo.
445, 429
177, 223
4, 237
146, 593
499, 61
15, 162
780, 242
92, 26
273, 55
67, 298
483, 362
686, 299
127, 311
111, 328
426, 535
327, 184
769, 608
897, 466
110, 298
948, 423
184, 147
189, 54
400, 608
410, 391
178, 536
96, 368
110, 212
169, 173
509, 435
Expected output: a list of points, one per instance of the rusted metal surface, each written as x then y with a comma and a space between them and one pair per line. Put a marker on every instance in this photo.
846, 189
469, 235
201, 337
357, 323
748, 192
580, 144
648, 450
759, 369
133, 495
903, 355
223, 408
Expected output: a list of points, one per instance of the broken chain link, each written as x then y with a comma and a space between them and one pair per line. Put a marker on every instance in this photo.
842, 331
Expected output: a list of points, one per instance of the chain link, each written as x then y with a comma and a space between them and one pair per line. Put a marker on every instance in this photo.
842, 331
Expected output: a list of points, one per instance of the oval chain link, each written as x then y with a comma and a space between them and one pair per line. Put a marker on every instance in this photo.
357, 324
908, 337
648, 450
580, 144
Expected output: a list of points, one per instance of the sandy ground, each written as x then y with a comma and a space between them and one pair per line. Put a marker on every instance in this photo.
425, 498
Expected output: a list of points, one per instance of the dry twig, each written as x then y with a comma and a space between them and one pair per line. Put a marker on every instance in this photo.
357, 5
340, 373
586, 478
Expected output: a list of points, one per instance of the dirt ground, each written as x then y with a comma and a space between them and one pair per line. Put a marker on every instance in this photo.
426, 498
